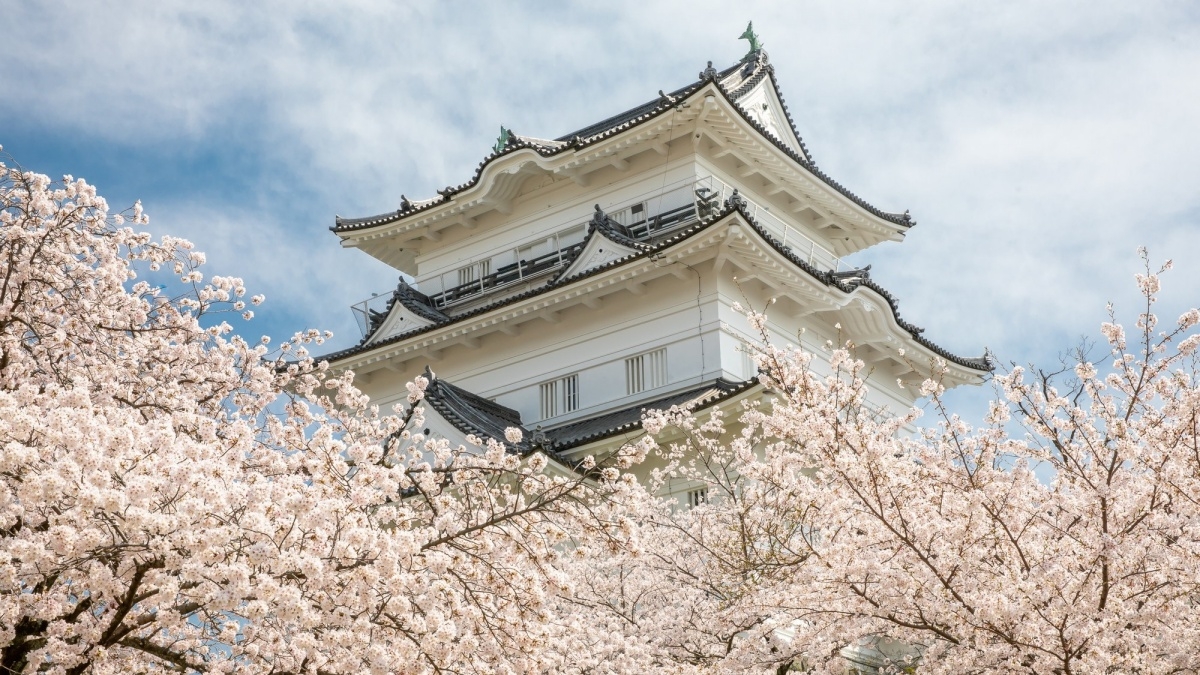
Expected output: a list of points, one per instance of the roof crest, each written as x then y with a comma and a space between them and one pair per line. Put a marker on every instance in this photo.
629, 119
732, 205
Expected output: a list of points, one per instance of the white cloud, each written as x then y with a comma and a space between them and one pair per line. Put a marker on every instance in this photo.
309, 281
1037, 143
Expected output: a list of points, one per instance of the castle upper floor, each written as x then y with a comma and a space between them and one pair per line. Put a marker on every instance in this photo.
575, 276
674, 160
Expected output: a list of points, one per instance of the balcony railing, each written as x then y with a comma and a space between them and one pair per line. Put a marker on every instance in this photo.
800, 244
369, 312
647, 217
511, 274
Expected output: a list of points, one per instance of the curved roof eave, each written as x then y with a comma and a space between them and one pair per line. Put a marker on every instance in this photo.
627, 120
577, 434
472, 414
901, 219
828, 278
980, 363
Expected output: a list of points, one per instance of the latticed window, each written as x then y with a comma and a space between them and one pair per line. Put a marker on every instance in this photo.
697, 497
637, 213
630, 215
474, 272
646, 371
559, 396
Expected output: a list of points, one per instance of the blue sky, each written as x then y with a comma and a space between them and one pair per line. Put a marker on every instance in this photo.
1037, 144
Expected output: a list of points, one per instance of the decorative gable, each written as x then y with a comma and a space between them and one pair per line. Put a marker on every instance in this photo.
762, 104
408, 309
399, 322
599, 250
607, 240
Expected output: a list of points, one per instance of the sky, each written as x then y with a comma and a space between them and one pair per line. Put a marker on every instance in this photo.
1037, 144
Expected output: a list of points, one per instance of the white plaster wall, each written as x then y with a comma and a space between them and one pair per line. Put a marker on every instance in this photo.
811, 332
547, 210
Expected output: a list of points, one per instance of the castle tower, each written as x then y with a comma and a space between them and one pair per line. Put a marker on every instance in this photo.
573, 282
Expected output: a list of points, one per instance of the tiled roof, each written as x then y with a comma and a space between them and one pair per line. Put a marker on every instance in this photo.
473, 414
411, 299
418, 303
633, 114
630, 419
831, 279
512, 299
630, 118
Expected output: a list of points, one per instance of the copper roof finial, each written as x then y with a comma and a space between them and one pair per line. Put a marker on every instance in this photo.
502, 140
752, 38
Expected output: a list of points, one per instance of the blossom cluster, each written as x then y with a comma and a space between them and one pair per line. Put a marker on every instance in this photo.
1061, 537
174, 497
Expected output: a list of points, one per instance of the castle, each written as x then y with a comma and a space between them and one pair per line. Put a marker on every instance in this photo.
573, 282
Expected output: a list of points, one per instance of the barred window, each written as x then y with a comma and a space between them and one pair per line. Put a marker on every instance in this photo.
697, 497
474, 272
559, 396
646, 371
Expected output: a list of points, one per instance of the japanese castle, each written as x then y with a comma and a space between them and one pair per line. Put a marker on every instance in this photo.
573, 282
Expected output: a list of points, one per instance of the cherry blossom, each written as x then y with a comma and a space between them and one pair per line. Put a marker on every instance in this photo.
174, 497
1063, 536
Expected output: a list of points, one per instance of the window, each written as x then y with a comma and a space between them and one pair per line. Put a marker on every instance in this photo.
559, 396
474, 272
697, 497
646, 371
630, 215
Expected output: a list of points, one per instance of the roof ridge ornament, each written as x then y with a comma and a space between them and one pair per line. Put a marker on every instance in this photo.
538, 439
502, 139
612, 229
709, 73
852, 276
752, 37
735, 200
599, 217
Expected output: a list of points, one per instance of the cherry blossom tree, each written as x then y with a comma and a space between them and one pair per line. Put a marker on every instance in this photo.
1063, 536
176, 498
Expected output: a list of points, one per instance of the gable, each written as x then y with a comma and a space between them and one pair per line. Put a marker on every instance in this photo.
763, 105
598, 250
400, 320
